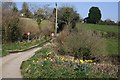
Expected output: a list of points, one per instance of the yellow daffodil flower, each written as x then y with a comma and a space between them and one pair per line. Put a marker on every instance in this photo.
62, 59
90, 61
49, 53
94, 62
82, 61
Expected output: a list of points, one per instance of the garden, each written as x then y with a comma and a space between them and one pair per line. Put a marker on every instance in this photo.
73, 54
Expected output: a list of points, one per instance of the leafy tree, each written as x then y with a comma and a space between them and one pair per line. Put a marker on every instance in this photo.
26, 11
94, 15
68, 15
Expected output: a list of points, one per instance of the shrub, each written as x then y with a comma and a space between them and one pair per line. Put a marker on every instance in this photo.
80, 43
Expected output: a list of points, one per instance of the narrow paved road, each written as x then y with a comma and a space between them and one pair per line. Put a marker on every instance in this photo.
10, 65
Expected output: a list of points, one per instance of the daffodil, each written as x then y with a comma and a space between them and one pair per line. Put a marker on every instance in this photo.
49, 53
86, 60
94, 62
90, 61
82, 61
62, 59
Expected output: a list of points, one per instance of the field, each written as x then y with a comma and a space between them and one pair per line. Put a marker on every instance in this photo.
102, 28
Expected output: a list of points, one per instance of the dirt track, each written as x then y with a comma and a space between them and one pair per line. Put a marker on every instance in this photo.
10, 65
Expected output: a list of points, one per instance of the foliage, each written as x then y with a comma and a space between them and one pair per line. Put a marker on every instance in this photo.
94, 15
80, 43
29, 25
111, 44
68, 16
15, 33
10, 20
25, 10
42, 14
15, 9
46, 64
107, 22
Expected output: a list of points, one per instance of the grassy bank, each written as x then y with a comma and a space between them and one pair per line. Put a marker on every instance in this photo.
46, 64
7, 47
112, 46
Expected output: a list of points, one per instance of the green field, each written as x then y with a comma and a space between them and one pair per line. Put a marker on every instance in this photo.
111, 44
102, 28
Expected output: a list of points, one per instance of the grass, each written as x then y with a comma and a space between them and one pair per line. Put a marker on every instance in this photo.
102, 28
19, 46
111, 44
39, 66
42, 65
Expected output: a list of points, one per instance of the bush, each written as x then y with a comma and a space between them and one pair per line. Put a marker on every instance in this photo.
79, 43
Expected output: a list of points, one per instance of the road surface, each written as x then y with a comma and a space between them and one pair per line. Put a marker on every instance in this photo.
10, 66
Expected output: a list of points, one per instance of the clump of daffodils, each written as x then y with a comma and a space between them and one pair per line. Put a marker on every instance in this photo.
62, 59
49, 53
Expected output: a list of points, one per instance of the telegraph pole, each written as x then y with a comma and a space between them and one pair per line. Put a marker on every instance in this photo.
56, 26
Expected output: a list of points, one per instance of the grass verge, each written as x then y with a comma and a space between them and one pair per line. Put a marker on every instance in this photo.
20, 46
